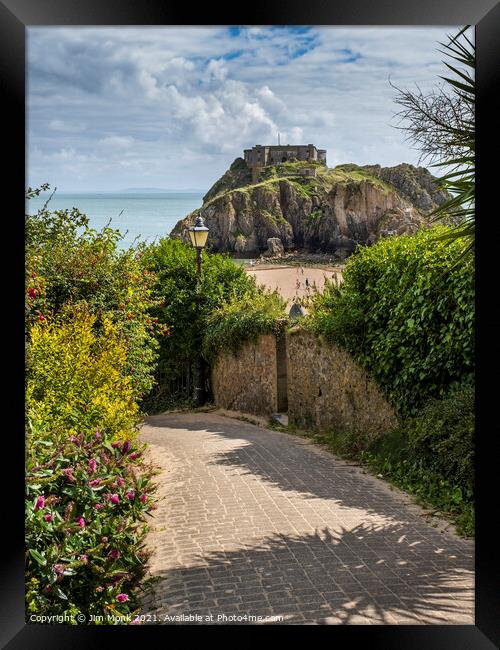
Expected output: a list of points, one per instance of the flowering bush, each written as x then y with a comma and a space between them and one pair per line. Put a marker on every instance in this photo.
86, 505
67, 262
76, 378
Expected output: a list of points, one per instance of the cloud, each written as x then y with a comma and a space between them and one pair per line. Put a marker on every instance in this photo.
117, 142
177, 105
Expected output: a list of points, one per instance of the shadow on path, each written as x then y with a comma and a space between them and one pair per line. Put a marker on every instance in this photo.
323, 578
289, 463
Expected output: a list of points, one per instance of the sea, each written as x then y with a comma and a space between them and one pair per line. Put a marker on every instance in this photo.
138, 216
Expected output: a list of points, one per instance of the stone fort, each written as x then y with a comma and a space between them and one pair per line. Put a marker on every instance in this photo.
259, 156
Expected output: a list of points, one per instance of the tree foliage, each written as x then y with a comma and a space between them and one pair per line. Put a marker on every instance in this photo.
441, 124
185, 302
69, 263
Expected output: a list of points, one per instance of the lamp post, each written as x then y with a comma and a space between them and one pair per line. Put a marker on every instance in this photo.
199, 235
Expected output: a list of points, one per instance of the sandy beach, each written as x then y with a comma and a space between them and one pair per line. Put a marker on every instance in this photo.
292, 281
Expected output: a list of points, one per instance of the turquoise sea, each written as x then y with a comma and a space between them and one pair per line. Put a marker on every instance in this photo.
147, 215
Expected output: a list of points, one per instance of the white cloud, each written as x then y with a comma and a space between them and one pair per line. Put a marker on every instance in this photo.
117, 141
177, 105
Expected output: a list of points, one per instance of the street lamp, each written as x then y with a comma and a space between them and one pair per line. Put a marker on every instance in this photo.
199, 235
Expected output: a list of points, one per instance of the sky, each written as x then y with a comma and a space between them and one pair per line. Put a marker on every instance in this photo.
172, 107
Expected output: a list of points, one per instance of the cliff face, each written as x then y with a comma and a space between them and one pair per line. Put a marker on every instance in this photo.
415, 184
329, 211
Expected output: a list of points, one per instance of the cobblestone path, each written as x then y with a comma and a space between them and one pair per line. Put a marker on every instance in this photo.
255, 523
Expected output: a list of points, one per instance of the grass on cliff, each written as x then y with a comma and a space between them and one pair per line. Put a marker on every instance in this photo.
308, 186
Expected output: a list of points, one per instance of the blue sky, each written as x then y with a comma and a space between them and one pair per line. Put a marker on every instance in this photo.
172, 107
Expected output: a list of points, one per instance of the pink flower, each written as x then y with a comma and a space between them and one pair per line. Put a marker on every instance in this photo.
134, 456
98, 434
40, 503
122, 598
32, 293
49, 517
114, 498
68, 473
41, 318
136, 621
98, 506
81, 522
84, 558
126, 446
131, 495
92, 466
59, 569
95, 481
114, 554
116, 445
144, 498
120, 481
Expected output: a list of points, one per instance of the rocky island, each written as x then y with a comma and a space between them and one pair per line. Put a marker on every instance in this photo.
304, 205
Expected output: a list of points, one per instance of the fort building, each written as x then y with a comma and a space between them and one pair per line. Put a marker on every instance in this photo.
260, 156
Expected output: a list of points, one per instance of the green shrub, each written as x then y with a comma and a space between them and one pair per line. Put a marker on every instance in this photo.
432, 455
86, 502
185, 304
405, 311
75, 377
442, 435
69, 263
244, 319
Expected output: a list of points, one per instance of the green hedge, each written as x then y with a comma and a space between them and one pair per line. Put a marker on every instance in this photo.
405, 311
244, 319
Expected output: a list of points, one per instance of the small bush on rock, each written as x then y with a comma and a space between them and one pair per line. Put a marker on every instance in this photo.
244, 319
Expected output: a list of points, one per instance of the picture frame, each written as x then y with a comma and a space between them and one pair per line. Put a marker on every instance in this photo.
16, 17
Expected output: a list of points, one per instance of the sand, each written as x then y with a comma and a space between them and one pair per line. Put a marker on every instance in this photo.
284, 279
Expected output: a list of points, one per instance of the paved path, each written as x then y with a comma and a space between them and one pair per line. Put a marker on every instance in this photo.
259, 523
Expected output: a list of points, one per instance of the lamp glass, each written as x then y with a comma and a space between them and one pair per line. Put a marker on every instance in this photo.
198, 236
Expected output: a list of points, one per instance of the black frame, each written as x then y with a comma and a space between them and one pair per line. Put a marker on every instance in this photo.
15, 15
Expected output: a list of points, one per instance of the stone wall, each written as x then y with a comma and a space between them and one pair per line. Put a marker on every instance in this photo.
324, 387
328, 390
247, 381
